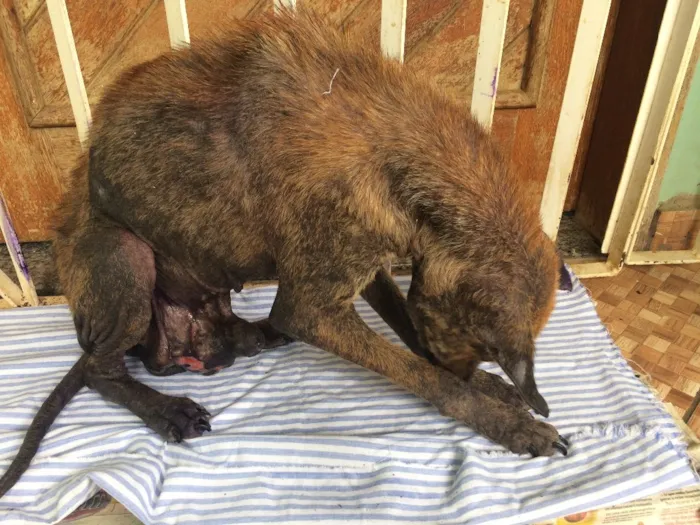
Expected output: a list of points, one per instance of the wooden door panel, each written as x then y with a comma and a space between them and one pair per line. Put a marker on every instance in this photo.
102, 27
27, 9
441, 40
29, 178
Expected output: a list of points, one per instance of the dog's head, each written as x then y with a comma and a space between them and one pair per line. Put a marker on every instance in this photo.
214, 344
469, 313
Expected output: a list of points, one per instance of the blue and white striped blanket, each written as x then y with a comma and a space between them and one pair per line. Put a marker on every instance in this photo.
301, 436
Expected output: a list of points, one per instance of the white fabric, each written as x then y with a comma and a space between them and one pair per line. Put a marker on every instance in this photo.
302, 436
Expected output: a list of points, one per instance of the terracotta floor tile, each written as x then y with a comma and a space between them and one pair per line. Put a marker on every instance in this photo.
662, 388
690, 331
642, 325
684, 305
684, 273
664, 375
612, 300
688, 342
665, 333
604, 310
663, 297
694, 320
652, 281
672, 363
674, 285
656, 343
654, 306
632, 307
678, 351
687, 386
625, 312
690, 295
619, 290
679, 399
691, 372
648, 354
670, 311
660, 272
653, 314
628, 346
650, 316
634, 334
641, 294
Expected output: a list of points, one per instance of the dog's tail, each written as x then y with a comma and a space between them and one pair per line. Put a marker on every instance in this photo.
57, 400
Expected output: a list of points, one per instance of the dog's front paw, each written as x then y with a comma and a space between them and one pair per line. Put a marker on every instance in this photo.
496, 387
273, 337
181, 419
523, 434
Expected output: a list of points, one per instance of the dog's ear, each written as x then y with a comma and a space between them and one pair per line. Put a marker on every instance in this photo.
565, 282
520, 368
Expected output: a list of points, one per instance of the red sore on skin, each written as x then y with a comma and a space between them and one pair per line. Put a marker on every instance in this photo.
190, 363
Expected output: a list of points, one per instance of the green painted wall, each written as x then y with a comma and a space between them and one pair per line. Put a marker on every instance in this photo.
681, 181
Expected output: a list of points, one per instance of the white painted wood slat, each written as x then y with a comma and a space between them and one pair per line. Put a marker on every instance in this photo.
584, 61
63, 34
393, 29
279, 4
492, 33
178, 28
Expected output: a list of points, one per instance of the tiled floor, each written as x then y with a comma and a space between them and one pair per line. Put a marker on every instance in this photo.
653, 313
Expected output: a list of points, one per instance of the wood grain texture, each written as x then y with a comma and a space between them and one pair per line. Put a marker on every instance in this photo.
20, 66
653, 315
27, 10
441, 40
584, 142
631, 52
535, 128
147, 38
29, 179
98, 27
646, 229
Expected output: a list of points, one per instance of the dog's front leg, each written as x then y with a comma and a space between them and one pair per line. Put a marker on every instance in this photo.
386, 299
338, 328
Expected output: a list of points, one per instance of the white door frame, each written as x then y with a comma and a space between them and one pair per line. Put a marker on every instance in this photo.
675, 44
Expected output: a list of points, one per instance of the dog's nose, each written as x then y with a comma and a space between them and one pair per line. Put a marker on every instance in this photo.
248, 342
219, 361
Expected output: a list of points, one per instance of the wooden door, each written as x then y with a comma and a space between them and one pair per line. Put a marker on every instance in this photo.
39, 143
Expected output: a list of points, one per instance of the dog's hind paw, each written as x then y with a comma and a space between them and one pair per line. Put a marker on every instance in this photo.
181, 419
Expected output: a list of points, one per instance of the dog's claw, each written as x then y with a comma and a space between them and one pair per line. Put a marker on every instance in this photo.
563, 440
533, 451
561, 448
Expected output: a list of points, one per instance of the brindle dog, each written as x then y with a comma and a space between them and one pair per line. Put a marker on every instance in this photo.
177, 326
239, 159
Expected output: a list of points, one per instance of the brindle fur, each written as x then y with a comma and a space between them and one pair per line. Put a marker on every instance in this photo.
126, 299
233, 161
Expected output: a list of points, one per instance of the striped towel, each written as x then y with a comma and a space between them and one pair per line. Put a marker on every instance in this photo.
301, 436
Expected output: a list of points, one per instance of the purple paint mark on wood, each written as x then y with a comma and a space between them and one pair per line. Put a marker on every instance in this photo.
493, 82
494, 79
13, 242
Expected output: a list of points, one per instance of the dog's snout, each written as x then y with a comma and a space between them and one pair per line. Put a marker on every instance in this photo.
247, 341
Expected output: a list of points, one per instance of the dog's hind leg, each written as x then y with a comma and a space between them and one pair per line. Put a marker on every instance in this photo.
386, 299
109, 275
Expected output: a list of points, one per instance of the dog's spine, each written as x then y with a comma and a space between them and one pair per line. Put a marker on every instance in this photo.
57, 400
